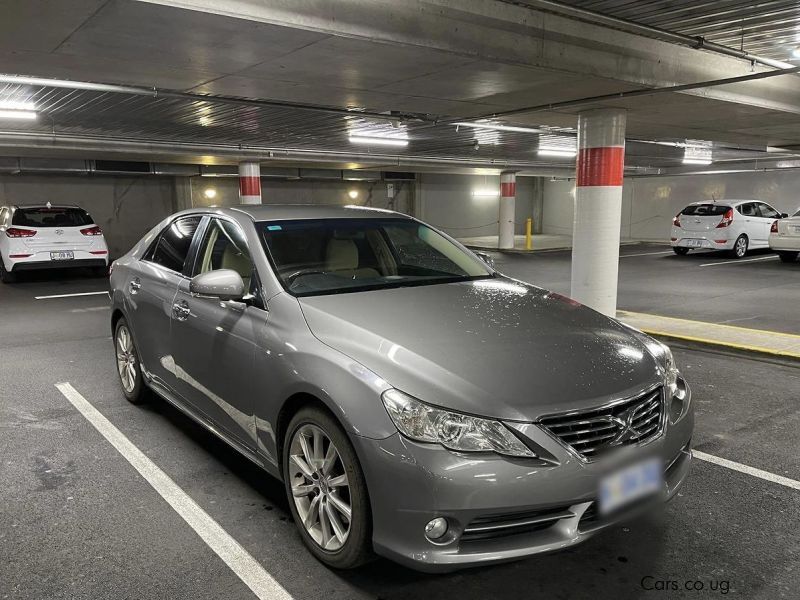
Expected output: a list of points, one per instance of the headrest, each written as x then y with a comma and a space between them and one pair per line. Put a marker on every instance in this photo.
341, 255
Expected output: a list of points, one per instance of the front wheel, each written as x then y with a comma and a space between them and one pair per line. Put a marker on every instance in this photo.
680, 251
788, 257
740, 247
326, 490
128, 366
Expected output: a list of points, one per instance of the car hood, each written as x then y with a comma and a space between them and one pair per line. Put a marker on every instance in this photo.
495, 347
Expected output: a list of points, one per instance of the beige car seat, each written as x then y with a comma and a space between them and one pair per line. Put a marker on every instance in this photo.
341, 258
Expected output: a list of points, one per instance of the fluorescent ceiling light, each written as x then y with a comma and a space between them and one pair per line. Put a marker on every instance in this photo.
377, 141
485, 193
498, 127
554, 152
696, 161
17, 114
16, 105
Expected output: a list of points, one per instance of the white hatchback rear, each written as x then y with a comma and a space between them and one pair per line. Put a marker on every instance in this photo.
47, 237
733, 225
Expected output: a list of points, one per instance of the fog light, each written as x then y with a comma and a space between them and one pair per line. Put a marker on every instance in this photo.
436, 528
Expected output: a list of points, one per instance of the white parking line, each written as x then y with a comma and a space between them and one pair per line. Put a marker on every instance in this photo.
738, 261
220, 541
729, 464
70, 295
644, 254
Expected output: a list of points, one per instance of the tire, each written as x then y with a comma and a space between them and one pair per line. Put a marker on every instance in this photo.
130, 372
788, 257
315, 482
740, 247
6, 276
680, 251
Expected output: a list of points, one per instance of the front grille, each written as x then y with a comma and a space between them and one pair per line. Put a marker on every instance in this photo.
590, 433
497, 526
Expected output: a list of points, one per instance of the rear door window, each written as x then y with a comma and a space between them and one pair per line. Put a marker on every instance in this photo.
51, 217
749, 209
172, 247
705, 210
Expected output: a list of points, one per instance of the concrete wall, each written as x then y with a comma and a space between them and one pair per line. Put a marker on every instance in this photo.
447, 201
650, 203
306, 192
124, 207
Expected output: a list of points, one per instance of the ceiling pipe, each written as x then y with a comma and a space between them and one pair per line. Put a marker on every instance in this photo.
15, 141
154, 92
595, 18
644, 92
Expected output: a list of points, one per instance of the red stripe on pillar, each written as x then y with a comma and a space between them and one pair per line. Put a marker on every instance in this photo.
250, 186
508, 189
600, 166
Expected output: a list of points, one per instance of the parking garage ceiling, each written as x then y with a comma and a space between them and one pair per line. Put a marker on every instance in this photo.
317, 75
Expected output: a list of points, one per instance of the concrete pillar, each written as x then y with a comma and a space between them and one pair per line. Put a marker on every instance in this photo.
249, 183
598, 209
508, 194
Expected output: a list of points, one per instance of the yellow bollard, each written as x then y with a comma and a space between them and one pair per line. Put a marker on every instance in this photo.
528, 236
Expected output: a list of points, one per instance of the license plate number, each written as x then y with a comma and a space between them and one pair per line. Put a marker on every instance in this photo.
796, 229
630, 484
694, 243
62, 255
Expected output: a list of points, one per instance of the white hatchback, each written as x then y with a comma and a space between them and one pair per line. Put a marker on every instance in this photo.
784, 237
48, 237
733, 225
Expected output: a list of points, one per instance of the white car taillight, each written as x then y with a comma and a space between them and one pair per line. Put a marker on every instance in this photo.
727, 219
16, 232
93, 230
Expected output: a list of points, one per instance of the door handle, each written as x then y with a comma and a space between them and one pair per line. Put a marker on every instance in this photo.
181, 310
134, 286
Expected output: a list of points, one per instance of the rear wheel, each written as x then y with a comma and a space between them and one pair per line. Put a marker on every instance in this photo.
6, 276
326, 490
680, 251
788, 257
740, 247
128, 365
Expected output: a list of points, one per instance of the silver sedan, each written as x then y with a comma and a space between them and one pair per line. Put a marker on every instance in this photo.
416, 403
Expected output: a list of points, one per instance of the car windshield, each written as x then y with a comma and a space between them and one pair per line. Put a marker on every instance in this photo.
51, 217
329, 256
705, 210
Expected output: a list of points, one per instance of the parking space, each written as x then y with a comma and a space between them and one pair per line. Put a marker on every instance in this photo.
81, 518
758, 292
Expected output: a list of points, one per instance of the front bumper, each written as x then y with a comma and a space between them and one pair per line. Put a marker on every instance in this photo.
554, 503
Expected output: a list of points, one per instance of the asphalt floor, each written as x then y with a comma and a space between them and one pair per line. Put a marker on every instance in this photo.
77, 521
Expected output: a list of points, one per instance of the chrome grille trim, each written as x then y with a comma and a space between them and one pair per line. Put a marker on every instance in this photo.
496, 526
631, 421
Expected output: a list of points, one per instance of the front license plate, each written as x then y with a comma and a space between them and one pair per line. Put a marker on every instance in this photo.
62, 255
629, 484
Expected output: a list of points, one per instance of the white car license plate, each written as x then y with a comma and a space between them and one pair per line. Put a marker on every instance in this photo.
629, 484
796, 228
694, 243
62, 255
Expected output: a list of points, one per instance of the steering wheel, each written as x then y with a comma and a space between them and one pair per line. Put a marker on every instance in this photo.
290, 278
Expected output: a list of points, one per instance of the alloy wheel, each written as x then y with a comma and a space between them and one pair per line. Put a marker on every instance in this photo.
741, 246
320, 489
126, 359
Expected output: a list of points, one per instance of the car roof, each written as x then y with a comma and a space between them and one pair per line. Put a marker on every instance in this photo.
724, 201
44, 205
284, 212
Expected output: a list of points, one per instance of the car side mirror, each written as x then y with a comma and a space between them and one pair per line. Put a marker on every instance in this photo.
485, 258
784, 215
224, 284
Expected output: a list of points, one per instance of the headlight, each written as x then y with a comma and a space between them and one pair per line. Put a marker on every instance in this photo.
671, 372
455, 431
